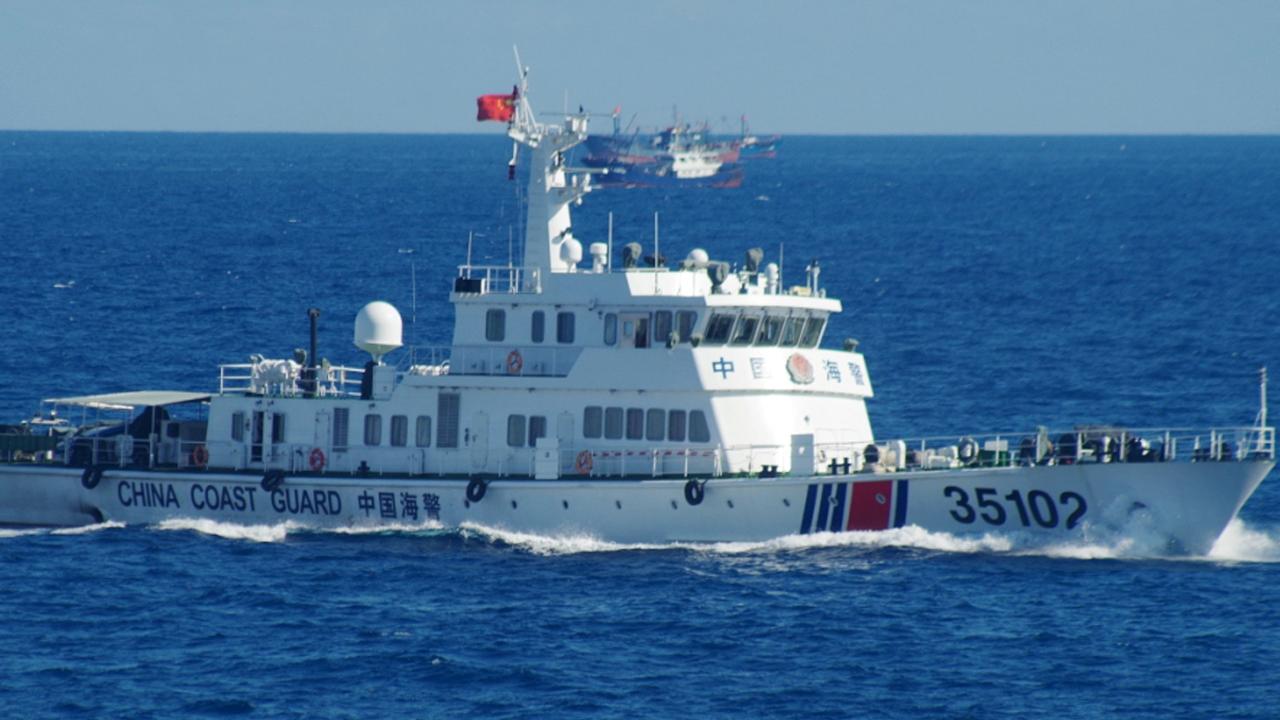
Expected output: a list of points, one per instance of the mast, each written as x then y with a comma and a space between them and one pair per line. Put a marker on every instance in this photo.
552, 186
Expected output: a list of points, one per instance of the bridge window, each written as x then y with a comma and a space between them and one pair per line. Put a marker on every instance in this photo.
676, 425
746, 330
685, 320
698, 431
277, 427
341, 423
564, 328
655, 424
593, 422
613, 423
422, 434
610, 329
537, 326
237, 426
399, 430
635, 424
770, 331
373, 430
791, 331
515, 430
495, 325
719, 327
661, 326
812, 331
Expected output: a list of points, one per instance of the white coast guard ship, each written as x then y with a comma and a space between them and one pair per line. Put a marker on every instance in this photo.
609, 398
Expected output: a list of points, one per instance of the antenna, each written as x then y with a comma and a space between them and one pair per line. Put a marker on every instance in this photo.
413, 303
657, 253
1262, 392
610, 256
470, 237
781, 284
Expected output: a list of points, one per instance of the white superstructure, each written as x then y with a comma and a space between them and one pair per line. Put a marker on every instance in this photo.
616, 397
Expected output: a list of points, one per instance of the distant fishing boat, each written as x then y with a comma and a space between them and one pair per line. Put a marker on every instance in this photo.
677, 156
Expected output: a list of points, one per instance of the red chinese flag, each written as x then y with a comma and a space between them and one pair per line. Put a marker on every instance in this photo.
496, 107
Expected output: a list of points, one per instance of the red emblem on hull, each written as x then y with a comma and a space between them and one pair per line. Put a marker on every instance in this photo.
800, 369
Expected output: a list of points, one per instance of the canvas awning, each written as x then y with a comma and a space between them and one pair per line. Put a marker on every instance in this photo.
131, 400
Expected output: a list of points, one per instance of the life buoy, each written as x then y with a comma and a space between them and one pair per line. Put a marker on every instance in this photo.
91, 476
694, 491
476, 489
199, 456
583, 462
316, 460
272, 481
968, 450
515, 362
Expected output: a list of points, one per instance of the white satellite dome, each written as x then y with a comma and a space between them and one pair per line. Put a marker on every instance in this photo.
379, 329
698, 258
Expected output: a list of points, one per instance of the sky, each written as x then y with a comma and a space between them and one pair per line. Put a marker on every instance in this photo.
803, 66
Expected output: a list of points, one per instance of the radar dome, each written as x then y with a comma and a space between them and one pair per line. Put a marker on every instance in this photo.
378, 329
571, 251
698, 258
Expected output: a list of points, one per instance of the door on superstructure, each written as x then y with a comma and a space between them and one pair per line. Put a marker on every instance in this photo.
566, 440
634, 330
479, 441
323, 430
256, 433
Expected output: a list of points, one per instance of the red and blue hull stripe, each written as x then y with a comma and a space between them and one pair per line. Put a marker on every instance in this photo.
843, 506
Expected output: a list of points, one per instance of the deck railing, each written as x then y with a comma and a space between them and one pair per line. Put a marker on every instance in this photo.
334, 381
486, 279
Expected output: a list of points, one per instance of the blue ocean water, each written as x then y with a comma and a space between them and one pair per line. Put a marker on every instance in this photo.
994, 283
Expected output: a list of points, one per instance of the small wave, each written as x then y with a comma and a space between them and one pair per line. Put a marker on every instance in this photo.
914, 537
86, 529
231, 531
1240, 543
21, 532
430, 527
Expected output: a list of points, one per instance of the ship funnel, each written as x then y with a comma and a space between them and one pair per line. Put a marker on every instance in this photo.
378, 329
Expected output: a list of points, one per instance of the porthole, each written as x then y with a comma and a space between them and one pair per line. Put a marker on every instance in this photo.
786, 502
618, 503
729, 503
674, 505
565, 503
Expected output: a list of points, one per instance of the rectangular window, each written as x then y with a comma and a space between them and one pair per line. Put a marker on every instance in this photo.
537, 429
373, 430
237, 426
447, 407
685, 320
812, 332
719, 328
770, 331
593, 422
610, 329
791, 331
698, 431
515, 430
341, 421
564, 328
675, 425
635, 424
422, 433
613, 423
661, 326
399, 430
277, 427
746, 331
538, 326
495, 325
655, 424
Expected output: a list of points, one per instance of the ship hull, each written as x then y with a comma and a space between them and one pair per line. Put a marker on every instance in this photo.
1188, 504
